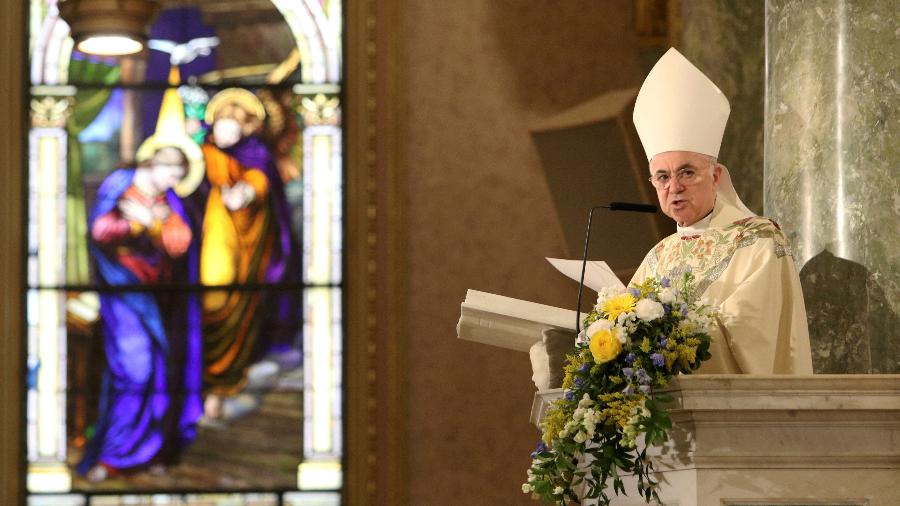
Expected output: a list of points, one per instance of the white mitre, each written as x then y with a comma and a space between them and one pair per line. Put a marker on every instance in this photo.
680, 109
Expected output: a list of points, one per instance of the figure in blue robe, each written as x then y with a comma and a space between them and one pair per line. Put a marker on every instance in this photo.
150, 399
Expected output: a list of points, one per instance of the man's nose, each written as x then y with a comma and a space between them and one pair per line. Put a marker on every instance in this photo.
675, 185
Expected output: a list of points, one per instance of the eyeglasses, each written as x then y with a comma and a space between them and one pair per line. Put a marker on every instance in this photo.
686, 176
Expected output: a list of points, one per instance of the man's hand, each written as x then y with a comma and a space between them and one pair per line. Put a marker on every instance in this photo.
238, 196
548, 357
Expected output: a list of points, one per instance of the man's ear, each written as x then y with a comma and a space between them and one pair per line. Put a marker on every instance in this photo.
717, 172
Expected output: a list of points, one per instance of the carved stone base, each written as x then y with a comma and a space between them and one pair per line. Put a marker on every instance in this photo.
777, 440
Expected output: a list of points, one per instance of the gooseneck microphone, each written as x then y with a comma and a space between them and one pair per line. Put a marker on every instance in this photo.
613, 206
628, 206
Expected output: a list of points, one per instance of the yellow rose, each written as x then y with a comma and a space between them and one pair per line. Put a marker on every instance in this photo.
617, 305
605, 346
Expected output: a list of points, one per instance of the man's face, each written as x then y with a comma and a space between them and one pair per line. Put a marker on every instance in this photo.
226, 132
692, 179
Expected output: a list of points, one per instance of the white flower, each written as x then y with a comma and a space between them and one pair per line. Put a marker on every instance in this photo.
585, 401
624, 318
621, 334
597, 326
581, 437
667, 295
645, 412
589, 422
558, 491
686, 326
526, 488
700, 320
606, 293
648, 309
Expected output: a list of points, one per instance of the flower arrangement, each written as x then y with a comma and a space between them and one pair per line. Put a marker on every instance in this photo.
635, 340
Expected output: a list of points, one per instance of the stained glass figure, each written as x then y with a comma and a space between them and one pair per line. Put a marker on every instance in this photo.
247, 239
141, 235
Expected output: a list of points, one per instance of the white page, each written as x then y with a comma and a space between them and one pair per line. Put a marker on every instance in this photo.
597, 274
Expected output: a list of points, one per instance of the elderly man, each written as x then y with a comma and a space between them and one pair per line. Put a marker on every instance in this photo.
741, 262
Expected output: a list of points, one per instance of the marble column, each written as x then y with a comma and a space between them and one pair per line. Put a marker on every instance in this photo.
724, 38
832, 171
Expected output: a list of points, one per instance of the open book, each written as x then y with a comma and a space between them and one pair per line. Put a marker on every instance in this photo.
518, 324
508, 323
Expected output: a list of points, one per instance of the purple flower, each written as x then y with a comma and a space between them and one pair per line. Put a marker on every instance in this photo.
584, 368
665, 282
642, 376
570, 395
628, 372
579, 382
634, 292
645, 389
658, 359
541, 448
667, 309
629, 390
684, 310
629, 359
663, 342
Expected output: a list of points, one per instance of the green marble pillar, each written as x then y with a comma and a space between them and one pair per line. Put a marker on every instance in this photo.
724, 38
832, 171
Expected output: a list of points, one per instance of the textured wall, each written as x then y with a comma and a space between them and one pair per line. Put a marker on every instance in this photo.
724, 38
479, 215
832, 160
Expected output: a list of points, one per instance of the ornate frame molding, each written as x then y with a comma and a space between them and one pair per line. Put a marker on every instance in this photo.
12, 281
374, 296
375, 330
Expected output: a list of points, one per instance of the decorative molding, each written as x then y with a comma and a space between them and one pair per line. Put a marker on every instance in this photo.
320, 110
374, 324
12, 207
50, 112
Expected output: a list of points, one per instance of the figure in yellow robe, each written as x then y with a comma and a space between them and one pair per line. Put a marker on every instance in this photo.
247, 243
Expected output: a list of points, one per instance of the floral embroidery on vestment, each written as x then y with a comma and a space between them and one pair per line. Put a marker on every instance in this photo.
707, 255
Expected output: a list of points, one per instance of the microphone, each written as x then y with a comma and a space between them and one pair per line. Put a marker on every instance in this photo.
628, 206
613, 206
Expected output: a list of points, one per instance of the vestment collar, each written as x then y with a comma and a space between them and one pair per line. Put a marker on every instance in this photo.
722, 215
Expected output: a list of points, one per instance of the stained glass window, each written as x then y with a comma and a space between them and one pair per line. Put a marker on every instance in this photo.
184, 268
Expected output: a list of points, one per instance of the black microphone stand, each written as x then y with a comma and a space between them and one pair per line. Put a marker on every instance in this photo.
613, 206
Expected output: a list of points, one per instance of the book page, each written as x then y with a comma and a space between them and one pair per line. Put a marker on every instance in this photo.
597, 274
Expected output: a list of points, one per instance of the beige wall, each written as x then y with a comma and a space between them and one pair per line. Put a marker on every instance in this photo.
479, 214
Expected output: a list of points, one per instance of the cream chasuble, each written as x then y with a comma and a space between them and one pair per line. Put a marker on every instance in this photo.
743, 266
